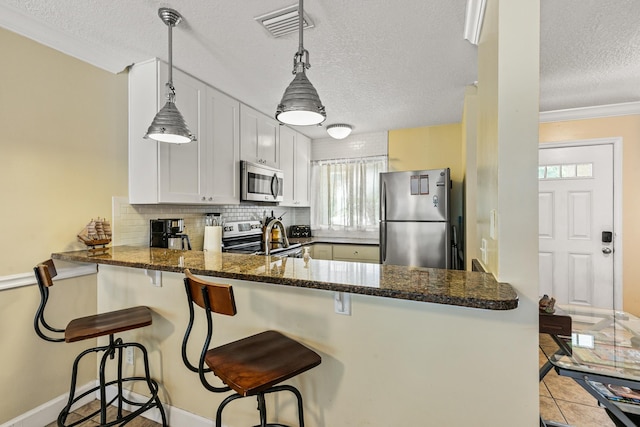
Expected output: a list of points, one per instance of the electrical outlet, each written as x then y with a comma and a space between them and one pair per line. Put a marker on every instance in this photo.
128, 355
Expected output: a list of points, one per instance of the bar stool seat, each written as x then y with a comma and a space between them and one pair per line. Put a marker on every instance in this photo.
109, 323
99, 325
251, 366
256, 363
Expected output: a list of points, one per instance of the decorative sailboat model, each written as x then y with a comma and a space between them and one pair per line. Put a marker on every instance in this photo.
96, 235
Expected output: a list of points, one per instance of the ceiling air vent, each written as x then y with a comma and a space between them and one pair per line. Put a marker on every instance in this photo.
284, 21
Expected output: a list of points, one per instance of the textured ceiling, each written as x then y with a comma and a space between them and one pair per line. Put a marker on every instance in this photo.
377, 64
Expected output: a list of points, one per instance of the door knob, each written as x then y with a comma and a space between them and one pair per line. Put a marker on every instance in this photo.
606, 250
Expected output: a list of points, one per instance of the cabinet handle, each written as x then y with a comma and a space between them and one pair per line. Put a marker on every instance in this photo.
204, 198
211, 199
355, 252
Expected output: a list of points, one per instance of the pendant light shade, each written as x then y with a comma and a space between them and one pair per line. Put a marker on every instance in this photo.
301, 105
169, 125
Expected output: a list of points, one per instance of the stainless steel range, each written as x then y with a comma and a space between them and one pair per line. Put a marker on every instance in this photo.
246, 237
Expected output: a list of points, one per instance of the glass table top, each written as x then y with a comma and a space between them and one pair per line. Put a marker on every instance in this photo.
604, 342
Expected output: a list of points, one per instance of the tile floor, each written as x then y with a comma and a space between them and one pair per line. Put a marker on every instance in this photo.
95, 421
562, 400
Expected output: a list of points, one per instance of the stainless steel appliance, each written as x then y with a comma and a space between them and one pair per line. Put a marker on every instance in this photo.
168, 233
415, 227
260, 183
247, 237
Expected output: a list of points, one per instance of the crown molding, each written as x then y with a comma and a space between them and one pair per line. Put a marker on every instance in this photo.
16, 21
598, 111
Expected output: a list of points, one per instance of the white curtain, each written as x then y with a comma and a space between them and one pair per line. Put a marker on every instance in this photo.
346, 193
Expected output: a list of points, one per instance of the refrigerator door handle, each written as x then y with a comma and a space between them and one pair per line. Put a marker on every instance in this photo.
383, 242
383, 202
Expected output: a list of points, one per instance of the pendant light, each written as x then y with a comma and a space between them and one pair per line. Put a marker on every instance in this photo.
300, 103
169, 125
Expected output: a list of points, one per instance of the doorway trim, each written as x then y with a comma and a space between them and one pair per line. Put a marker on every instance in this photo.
616, 142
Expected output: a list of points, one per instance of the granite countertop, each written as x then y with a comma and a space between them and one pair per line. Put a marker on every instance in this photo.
452, 287
335, 240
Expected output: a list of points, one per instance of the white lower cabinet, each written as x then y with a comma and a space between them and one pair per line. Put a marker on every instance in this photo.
353, 253
358, 253
295, 152
200, 172
322, 251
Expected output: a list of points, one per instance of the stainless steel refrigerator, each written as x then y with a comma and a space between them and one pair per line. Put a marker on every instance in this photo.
415, 226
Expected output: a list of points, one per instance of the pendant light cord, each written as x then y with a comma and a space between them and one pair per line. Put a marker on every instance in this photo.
171, 91
300, 29
301, 57
170, 81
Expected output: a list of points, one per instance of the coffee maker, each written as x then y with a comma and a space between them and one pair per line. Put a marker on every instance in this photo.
168, 233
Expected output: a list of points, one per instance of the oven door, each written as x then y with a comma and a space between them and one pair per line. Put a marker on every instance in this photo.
260, 183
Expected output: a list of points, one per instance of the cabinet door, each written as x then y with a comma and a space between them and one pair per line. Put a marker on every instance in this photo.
259, 138
357, 253
222, 182
301, 170
287, 164
181, 165
269, 141
322, 251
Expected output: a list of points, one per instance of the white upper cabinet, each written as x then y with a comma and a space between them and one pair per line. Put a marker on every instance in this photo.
199, 172
181, 166
223, 150
259, 138
294, 161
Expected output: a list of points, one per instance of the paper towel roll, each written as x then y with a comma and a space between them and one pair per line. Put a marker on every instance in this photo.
212, 238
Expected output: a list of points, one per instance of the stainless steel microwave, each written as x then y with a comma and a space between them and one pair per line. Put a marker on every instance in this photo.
260, 183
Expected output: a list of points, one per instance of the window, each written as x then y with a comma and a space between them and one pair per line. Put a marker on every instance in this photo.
346, 194
566, 171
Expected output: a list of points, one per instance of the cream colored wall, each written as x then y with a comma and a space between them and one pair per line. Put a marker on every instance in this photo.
441, 358
63, 155
627, 127
431, 147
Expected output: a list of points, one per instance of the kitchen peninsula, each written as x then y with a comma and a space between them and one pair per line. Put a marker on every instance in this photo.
414, 339
466, 289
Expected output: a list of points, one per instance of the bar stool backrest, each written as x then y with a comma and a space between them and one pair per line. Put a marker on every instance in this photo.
45, 272
212, 297
218, 297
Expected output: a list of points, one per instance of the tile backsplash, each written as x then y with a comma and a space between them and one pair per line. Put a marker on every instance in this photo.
130, 223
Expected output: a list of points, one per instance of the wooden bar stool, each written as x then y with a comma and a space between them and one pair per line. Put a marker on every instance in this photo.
252, 366
97, 326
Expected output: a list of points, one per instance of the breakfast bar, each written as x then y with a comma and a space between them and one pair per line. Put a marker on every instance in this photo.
453, 287
414, 344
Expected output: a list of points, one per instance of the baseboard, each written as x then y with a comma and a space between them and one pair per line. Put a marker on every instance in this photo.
48, 412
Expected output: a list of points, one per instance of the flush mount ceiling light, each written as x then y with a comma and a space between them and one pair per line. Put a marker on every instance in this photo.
339, 130
474, 16
169, 125
300, 105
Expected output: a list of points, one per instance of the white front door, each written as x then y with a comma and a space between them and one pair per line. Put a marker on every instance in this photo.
576, 203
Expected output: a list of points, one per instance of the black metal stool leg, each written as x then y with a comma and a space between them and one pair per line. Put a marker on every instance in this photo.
224, 403
262, 408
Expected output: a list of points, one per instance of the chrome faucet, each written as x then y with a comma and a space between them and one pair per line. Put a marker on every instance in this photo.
267, 235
